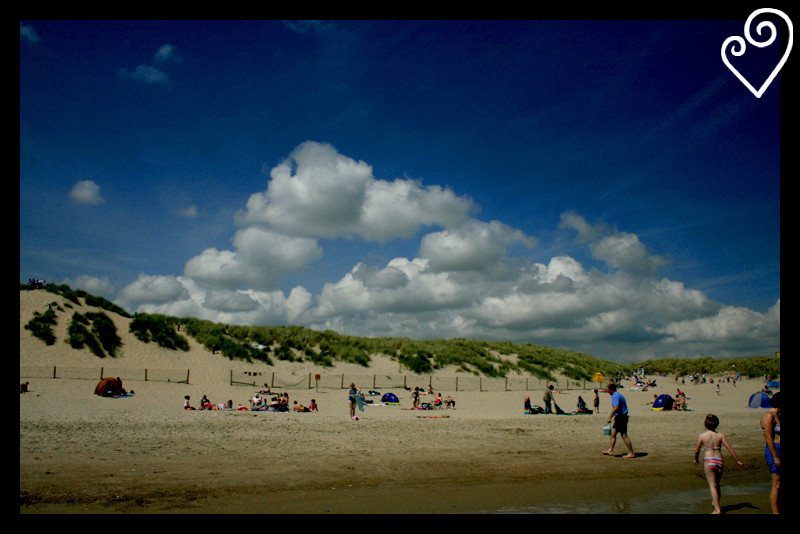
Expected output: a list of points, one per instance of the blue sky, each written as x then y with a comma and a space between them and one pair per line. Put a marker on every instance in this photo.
603, 186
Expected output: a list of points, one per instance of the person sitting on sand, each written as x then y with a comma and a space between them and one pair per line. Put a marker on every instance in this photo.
313, 406
437, 402
449, 402
23, 388
297, 407
277, 404
186, 404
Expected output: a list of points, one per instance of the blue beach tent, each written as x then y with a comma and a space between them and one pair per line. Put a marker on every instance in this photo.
390, 398
759, 400
663, 403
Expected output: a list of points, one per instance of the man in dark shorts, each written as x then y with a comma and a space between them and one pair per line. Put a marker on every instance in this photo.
619, 413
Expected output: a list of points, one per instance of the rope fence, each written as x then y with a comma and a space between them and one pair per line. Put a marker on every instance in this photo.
438, 383
180, 376
317, 381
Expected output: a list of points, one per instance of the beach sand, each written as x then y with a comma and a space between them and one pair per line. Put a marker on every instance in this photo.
81, 453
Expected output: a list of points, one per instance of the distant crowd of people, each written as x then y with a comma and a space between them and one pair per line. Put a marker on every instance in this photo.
278, 403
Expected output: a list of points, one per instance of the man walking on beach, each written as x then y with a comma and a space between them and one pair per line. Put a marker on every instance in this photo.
619, 412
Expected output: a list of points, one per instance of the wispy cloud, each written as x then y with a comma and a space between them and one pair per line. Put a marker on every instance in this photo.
27, 32
149, 74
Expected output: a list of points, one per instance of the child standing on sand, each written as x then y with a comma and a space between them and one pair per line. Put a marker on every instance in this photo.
712, 442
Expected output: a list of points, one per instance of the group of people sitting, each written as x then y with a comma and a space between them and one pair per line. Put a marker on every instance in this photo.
206, 404
280, 403
438, 402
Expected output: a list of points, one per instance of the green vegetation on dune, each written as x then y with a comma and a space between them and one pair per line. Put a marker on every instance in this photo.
296, 344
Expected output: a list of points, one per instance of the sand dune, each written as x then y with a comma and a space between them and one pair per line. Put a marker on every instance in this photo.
80, 453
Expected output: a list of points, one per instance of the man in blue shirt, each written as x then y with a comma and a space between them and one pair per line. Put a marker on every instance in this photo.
619, 412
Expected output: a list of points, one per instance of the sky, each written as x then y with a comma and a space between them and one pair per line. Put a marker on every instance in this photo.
603, 186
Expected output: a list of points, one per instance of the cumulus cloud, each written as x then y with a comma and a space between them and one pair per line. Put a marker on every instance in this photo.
86, 192
619, 250
261, 258
154, 289
91, 284
470, 278
318, 192
472, 246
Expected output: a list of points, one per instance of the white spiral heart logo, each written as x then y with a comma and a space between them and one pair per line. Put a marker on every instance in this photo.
739, 52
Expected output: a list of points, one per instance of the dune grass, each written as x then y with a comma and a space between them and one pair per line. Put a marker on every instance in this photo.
297, 343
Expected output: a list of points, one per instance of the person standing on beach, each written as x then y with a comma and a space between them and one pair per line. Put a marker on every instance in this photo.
619, 413
771, 425
712, 441
596, 402
548, 399
352, 398
415, 399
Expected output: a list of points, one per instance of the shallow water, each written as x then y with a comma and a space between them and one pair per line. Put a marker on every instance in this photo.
669, 502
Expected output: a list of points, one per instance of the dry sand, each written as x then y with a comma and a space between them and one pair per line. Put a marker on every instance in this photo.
80, 453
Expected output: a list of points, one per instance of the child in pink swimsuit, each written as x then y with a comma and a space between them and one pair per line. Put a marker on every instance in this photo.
712, 442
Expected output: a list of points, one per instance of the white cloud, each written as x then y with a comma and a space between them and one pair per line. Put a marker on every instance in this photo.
318, 192
730, 324
154, 289
619, 250
464, 283
86, 192
261, 259
624, 251
91, 284
399, 209
472, 246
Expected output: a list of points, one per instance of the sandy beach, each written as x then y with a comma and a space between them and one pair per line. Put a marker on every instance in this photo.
81, 453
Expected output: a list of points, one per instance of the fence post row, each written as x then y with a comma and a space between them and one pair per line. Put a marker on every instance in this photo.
147, 376
458, 384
